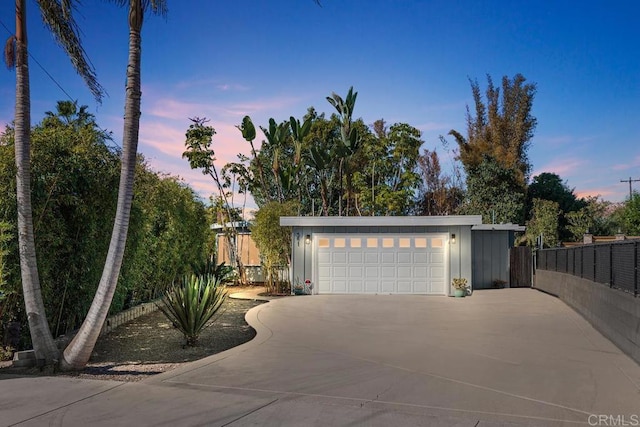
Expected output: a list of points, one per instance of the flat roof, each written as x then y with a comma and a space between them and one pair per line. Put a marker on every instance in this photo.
379, 221
504, 227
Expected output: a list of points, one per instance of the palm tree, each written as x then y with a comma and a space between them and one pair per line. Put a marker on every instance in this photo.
77, 353
57, 16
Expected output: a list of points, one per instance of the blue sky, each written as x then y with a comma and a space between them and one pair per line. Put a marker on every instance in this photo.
409, 60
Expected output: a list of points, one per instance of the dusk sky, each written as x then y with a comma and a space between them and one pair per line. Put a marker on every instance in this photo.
410, 62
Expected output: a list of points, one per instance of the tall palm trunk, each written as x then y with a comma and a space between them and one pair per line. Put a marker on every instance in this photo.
41, 337
77, 354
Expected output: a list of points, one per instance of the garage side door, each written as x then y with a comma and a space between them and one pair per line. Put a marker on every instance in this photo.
389, 264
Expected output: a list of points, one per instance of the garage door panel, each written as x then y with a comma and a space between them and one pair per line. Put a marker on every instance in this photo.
388, 257
355, 272
404, 258
324, 258
420, 258
388, 271
355, 257
339, 257
404, 272
420, 287
371, 258
371, 287
436, 272
388, 286
420, 271
356, 286
339, 286
436, 258
404, 287
371, 272
389, 264
324, 286
437, 287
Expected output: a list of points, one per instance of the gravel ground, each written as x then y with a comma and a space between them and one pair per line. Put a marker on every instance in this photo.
150, 345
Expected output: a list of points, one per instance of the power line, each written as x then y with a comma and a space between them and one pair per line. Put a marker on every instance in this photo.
630, 188
42, 68
105, 132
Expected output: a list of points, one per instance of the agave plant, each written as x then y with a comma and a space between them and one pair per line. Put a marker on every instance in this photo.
192, 304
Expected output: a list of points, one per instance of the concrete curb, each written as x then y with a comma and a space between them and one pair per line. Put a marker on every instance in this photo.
252, 317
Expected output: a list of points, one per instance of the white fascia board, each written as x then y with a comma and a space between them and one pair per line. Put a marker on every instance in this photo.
379, 221
503, 227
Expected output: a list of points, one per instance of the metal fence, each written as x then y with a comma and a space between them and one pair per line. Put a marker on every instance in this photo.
612, 264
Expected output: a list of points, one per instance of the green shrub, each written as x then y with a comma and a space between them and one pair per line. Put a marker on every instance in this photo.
222, 273
192, 304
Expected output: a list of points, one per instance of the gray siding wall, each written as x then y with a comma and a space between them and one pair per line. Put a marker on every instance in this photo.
490, 257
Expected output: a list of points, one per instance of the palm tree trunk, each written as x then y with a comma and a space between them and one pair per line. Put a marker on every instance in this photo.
41, 337
77, 353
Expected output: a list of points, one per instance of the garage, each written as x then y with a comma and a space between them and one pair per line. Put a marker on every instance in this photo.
381, 264
409, 255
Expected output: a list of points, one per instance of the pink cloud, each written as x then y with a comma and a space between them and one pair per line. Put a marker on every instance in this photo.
169, 139
178, 110
624, 166
603, 192
562, 167
163, 137
262, 105
173, 109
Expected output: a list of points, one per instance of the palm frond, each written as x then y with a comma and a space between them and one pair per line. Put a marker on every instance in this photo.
10, 52
58, 18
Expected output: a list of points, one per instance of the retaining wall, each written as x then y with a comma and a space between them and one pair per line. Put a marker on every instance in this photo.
614, 313
116, 320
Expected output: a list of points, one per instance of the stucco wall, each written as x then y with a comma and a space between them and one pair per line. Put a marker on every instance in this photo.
614, 313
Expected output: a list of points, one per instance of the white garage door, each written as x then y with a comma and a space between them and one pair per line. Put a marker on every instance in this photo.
388, 264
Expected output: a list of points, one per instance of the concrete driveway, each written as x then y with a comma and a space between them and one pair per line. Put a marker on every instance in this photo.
500, 357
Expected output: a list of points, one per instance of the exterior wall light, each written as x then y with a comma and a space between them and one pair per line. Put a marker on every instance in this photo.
307, 239
453, 239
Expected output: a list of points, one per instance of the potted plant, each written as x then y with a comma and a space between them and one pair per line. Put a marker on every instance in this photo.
459, 287
298, 288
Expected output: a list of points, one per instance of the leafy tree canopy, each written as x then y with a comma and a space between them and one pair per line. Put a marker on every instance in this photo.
501, 127
494, 192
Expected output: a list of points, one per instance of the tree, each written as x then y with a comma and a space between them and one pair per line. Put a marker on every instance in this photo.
384, 169
598, 217
501, 128
350, 141
273, 240
498, 137
201, 155
77, 354
58, 18
438, 193
629, 216
493, 192
549, 186
543, 222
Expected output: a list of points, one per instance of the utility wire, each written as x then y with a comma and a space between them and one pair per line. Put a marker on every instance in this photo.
105, 132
